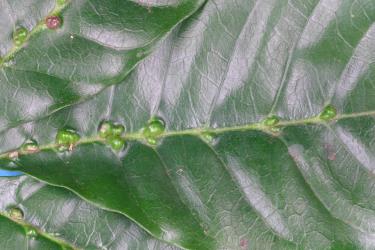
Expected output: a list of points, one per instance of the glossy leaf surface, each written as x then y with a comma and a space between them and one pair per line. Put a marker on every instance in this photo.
62, 216
304, 182
97, 45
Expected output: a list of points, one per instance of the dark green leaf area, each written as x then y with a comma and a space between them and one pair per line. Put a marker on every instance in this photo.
211, 179
123, 187
239, 173
61, 215
13, 236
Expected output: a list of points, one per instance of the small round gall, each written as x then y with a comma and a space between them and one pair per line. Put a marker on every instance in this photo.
53, 22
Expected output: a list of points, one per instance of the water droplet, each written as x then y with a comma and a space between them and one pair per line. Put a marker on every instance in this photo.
118, 129
271, 121
31, 232
105, 129
19, 36
66, 139
208, 136
53, 22
16, 213
116, 143
154, 128
30, 146
328, 113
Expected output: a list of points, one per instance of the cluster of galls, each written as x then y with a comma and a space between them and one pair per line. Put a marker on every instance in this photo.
154, 128
66, 139
112, 133
329, 113
16, 214
21, 34
52, 22
271, 123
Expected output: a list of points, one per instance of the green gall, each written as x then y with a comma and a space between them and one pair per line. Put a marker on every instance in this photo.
105, 129
16, 213
117, 143
31, 232
208, 136
154, 128
271, 121
118, 129
108, 129
20, 36
328, 113
30, 146
275, 129
151, 141
66, 139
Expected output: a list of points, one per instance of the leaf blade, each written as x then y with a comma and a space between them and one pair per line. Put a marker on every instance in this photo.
61, 215
225, 78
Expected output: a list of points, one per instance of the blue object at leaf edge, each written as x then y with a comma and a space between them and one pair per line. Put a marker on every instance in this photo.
6, 173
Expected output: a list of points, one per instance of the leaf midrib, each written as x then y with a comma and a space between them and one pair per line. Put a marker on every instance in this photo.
258, 126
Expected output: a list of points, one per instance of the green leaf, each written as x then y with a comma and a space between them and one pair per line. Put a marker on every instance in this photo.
98, 44
14, 236
63, 217
303, 182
